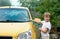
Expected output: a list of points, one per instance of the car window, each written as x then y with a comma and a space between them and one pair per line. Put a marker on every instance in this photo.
13, 15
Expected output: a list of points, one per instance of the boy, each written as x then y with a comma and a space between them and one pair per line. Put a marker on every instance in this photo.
46, 25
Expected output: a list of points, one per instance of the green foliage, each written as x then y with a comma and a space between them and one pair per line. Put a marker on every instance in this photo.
51, 6
41, 6
5, 3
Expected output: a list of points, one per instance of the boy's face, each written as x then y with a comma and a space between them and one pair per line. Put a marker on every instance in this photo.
47, 18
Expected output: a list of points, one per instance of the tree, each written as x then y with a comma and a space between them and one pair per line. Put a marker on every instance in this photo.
5, 3
51, 6
38, 7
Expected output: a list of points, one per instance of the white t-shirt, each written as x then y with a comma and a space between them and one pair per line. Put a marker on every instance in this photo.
46, 25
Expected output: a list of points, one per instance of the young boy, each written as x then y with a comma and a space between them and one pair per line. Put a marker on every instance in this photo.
46, 25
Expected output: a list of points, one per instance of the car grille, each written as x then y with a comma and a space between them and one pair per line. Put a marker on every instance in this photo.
5, 37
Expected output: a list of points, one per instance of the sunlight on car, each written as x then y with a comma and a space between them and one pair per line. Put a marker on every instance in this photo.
15, 2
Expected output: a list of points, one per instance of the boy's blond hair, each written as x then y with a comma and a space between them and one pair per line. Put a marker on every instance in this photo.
47, 13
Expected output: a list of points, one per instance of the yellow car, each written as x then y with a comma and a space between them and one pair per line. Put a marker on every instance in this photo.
15, 23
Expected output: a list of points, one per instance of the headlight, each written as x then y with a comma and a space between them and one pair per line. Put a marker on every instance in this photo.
26, 35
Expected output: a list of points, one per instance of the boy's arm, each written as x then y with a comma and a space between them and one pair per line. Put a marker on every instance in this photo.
37, 20
44, 30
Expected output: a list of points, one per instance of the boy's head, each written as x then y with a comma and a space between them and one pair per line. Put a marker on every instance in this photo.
47, 16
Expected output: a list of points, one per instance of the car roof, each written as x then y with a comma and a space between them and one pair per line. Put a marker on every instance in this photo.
13, 7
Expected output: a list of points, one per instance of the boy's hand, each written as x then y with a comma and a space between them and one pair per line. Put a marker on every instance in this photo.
37, 20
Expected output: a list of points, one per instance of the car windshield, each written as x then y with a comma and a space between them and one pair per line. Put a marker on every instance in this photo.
13, 15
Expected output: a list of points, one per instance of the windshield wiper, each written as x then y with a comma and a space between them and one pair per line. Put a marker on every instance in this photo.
13, 21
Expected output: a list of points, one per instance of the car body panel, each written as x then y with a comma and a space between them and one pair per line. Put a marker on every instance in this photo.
14, 29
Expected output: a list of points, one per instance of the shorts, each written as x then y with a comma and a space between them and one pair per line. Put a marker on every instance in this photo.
45, 37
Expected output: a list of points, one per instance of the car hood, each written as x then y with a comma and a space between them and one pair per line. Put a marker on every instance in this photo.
13, 29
